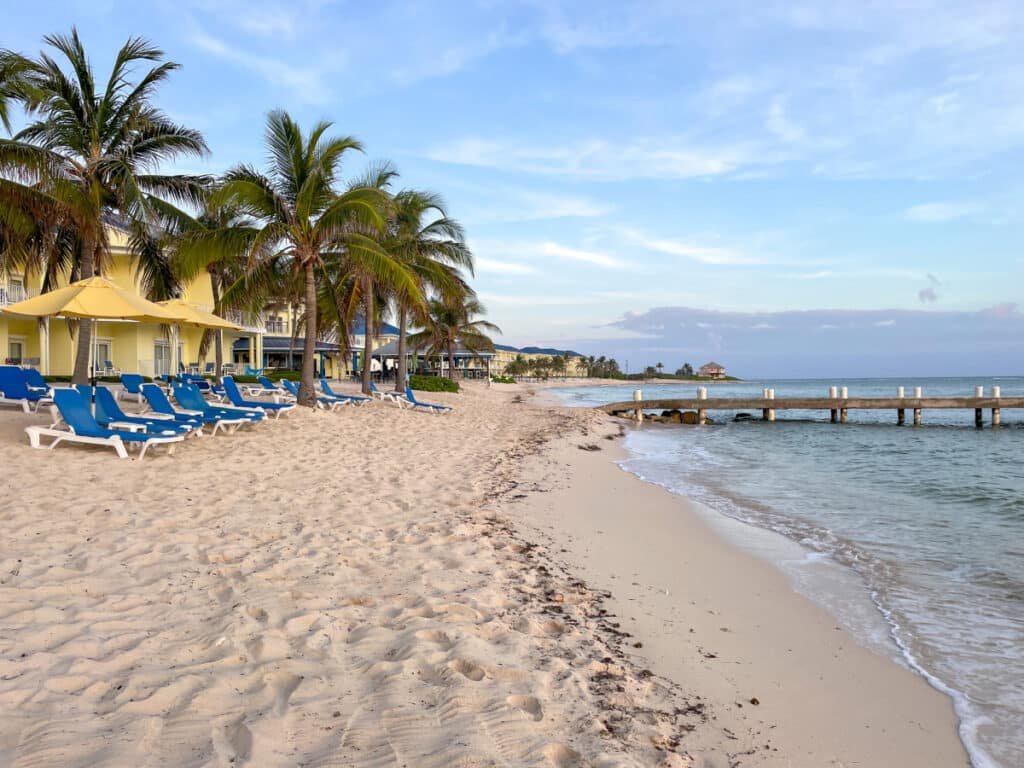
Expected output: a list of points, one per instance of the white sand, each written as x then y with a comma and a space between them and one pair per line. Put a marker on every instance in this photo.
338, 589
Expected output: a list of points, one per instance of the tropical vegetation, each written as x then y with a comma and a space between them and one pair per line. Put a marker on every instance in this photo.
347, 253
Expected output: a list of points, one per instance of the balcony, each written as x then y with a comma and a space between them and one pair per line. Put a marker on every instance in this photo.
12, 293
250, 323
276, 326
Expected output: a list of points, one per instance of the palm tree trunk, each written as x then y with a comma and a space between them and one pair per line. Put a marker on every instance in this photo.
367, 335
80, 375
218, 336
307, 392
451, 361
403, 368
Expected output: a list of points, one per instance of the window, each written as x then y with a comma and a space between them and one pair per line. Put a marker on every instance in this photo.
104, 352
16, 288
161, 358
15, 350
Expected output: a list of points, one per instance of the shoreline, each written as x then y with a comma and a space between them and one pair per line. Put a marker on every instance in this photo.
826, 699
365, 586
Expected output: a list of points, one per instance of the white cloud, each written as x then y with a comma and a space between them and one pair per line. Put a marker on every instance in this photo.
937, 212
500, 267
705, 254
577, 254
663, 158
779, 124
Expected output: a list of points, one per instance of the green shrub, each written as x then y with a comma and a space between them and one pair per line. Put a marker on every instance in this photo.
503, 380
105, 379
433, 384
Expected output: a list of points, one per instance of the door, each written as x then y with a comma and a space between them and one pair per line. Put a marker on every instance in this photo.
161, 358
15, 351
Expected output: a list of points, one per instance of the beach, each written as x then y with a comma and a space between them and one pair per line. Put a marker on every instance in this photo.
376, 587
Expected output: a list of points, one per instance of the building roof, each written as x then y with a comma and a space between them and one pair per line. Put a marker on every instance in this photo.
713, 365
391, 350
382, 329
537, 350
282, 344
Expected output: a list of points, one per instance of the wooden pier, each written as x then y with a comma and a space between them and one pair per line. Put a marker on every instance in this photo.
838, 403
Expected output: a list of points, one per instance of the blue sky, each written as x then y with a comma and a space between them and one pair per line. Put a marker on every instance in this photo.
617, 164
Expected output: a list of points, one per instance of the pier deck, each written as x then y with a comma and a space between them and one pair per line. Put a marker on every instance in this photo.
838, 406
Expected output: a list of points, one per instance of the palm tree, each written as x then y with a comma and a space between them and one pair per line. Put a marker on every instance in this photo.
92, 155
299, 219
451, 322
434, 249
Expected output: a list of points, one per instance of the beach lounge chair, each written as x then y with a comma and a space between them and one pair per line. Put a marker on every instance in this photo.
210, 369
83, 428
432, 407
132, 385
191, 399
250, 371
158, 402
15, 390
236, 399
391, 397
325, 386
322, 401
109, 414
34, 380
109, 369
270, 387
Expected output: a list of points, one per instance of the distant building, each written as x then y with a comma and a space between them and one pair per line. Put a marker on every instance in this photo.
712, 370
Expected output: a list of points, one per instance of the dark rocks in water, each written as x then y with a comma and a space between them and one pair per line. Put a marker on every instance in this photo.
743, 417
690, 417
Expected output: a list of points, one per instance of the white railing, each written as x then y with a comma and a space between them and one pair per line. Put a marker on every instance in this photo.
249, 322
275, 326
12, 293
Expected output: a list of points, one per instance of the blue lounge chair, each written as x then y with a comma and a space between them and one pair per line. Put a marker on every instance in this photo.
159, 403
236, 399
432, 407
250, 371
391, 397
109, 414
323, 401
35, 381
15, 390
210, 369
132, 383
270, 388
191, 399
325, 386
83, 428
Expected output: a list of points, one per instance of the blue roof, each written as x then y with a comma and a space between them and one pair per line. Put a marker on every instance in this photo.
382, 329
537, 350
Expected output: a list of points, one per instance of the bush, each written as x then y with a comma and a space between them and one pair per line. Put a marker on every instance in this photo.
433, 384
105, 379
503, 380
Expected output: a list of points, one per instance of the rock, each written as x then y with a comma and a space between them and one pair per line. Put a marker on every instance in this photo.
689, 417
742, 417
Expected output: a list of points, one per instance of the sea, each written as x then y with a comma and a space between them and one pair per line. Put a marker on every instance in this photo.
925, 525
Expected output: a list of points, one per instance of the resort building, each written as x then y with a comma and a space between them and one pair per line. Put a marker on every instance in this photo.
576, 364
712, 370
269, 338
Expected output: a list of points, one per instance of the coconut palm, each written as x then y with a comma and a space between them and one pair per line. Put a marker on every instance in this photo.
449, 322
434, 249
92, 155
299, 219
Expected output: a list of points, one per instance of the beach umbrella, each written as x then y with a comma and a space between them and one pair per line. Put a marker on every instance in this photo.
95, 298
196, 317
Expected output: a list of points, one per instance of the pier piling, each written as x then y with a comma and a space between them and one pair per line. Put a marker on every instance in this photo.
996, 415
844, 413
979, 414
917, 411
771, 411
901, 414
702, 415
764, 411
833, 392
638, 396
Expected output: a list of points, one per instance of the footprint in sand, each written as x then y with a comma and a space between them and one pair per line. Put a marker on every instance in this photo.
562, 756
232, 740
529, 705
435, 636
467, 669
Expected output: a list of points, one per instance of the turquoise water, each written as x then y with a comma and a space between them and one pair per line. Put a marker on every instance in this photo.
930, 519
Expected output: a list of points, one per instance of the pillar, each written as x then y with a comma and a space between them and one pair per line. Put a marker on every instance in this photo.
996, 416
764, 411
844, 413
702, 414
833, 392
917, 410
638, 396
771, 411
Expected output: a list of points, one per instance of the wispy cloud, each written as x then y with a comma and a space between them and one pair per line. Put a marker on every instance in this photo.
304, 83
497, 266
941, 211
601, 159
578, 254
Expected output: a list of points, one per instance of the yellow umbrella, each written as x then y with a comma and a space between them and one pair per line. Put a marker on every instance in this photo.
94, 298
193, 315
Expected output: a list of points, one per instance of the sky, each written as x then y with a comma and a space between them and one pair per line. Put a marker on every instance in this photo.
798, 188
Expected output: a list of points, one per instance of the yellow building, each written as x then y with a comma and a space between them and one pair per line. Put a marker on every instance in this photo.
127, 346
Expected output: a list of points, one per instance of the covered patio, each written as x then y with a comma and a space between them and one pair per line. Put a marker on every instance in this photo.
468, 364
